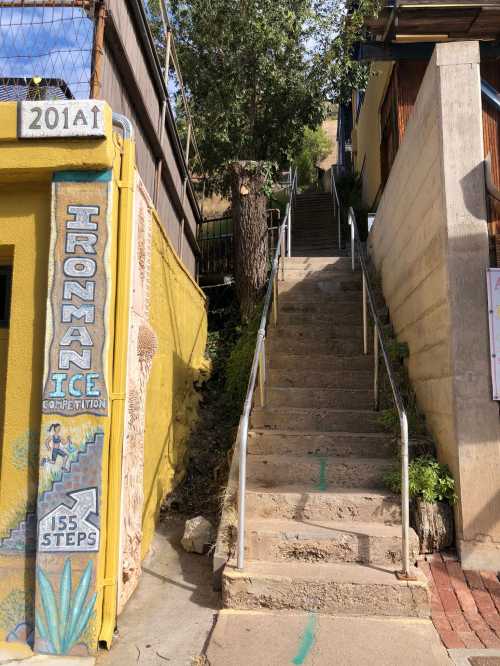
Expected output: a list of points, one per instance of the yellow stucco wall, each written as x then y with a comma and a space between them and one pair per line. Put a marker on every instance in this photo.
26, 169
366, 134
178, 317
24, 225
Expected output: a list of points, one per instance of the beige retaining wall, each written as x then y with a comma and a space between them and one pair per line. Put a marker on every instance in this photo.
430, 245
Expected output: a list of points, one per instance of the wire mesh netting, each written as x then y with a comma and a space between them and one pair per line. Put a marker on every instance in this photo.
46, 49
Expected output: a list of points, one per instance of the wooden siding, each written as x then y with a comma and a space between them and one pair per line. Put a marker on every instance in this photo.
132, 85
396, 109
490, 72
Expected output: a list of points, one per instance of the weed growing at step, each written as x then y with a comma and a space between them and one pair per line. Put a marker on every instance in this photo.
428, 480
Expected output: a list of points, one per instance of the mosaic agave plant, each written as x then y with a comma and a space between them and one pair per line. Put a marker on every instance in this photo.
64, 621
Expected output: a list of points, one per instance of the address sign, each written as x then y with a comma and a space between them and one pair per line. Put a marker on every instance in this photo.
61, 119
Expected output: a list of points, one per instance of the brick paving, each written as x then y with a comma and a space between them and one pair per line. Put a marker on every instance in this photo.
465, 605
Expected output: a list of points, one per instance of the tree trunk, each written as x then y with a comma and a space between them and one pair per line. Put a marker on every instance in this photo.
249, 234
434, 525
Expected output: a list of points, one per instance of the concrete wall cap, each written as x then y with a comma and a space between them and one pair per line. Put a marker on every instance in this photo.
457, 53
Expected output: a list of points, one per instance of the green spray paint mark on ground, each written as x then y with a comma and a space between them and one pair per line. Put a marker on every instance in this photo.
306, 642
322, 475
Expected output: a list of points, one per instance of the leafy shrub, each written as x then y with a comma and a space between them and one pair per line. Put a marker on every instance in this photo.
238, 365
428, 480
315, 146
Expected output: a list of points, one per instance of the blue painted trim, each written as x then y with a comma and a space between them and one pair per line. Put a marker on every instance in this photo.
83, 176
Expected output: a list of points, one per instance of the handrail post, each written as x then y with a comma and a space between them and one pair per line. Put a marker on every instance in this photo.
339, 226
282, 255
405, 498
275, 299
365, 318
262, 373
375, 368
289, 231
353, 257
242, 490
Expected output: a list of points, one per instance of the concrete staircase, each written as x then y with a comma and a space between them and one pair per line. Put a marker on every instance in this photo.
322, 533
314, 233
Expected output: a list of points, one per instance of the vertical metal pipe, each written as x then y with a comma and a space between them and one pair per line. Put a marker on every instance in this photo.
282, 253
98, 53
375, 368
188, 144
161, 129
365, 318
262, 373
289, 230
405, 497
339, 226
242, 491
353, 258
275, 299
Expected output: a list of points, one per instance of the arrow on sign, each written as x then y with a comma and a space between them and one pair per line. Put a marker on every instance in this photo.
68, 528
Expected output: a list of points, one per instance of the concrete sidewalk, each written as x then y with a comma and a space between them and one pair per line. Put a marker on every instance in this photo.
253, 638
172, 612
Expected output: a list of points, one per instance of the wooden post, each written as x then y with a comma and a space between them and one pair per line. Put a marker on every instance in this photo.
98, 53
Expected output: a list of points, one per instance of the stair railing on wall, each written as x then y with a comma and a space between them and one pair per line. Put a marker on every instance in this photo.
379, 349
258, 369
336, 205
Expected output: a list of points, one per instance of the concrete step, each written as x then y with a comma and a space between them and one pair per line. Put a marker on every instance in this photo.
316, 363
322, 294
343, 282
320, 472
295, 418
327, 252
323, 306
342, 444
315, 331
304, 345
320, 318
313, 237
281, 540
337, 398
299, 502
342, 589
296, 274
294, 377
325, 247
341, 264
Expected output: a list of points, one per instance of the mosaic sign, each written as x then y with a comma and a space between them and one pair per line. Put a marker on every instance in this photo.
61, 119
75, 382
68, 527
493, 286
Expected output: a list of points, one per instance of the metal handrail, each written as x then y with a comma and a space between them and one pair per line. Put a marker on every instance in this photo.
336, 201
259, 364
379, 347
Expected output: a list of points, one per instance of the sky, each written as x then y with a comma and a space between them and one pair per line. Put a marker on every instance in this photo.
48, 42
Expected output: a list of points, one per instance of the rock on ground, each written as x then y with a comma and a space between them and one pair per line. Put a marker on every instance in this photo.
198, 535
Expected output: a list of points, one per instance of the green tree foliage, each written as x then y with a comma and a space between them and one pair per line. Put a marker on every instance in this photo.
252, 77
258, 72
315, 146
340, 27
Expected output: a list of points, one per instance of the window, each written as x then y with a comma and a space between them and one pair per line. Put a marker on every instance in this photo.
5, 290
